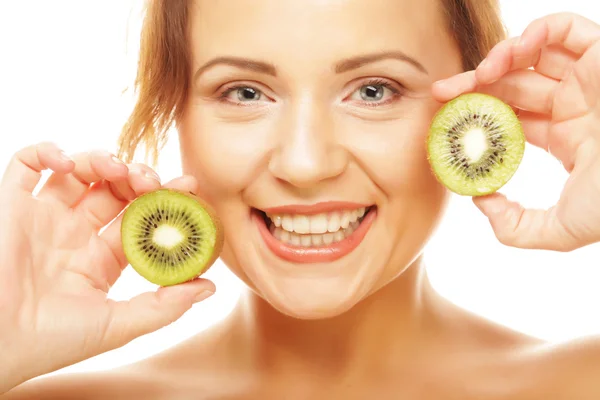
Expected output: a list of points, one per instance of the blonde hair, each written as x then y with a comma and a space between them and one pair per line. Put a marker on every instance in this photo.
163, 70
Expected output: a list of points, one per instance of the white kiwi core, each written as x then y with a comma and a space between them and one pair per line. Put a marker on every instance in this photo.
475, 144
167, 236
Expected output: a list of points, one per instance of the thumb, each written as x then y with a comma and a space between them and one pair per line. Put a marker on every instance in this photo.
519, 227
151, 311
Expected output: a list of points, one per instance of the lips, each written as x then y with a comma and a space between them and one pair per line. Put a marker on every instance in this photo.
343, 236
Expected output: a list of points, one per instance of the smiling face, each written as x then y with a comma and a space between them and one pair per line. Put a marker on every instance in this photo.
306, 127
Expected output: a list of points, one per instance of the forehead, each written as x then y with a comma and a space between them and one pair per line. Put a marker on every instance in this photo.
325, 30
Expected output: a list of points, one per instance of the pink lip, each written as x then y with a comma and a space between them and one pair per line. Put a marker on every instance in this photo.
314, 208
325, 253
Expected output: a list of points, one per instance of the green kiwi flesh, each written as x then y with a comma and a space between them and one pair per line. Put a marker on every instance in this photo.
170, 237
475, 144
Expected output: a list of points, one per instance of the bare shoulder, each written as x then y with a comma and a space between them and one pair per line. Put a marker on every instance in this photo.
568, 370
116, 385
503, 364
189, 367
565, 371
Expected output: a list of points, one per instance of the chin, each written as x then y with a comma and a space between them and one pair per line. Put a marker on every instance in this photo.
355, 253
320, 279
312, 299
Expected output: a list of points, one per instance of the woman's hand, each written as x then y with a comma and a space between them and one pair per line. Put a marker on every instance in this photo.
56, 267
558, 102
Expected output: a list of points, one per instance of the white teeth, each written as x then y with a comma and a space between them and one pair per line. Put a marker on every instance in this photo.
317, 224
301, 224
305, 240
334, 222
294, 239
317, 240
327, 238
338, 236
287, 223
312, 240
345, 220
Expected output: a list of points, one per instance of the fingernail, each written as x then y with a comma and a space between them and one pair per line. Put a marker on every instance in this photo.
152, 175
117, 161
482, 64
439, 83
519, 44
63, 156
203, 295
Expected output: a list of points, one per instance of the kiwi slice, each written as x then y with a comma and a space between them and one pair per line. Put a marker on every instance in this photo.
170, 237
475, 144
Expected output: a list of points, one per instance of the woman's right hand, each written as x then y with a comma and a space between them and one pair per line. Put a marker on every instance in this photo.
56, 266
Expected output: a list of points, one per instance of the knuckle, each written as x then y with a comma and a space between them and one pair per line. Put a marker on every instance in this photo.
98, 155
505, 237
138, 167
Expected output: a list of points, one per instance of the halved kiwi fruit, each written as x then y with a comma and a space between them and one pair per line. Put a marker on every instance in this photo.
170, 237
475, 144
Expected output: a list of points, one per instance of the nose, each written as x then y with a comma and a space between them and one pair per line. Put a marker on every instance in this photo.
308, 150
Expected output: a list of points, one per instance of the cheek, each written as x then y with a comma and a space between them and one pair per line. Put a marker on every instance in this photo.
224, 157
395, 157
393, 153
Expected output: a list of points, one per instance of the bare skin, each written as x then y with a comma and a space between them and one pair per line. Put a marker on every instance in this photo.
457, 356
367, 325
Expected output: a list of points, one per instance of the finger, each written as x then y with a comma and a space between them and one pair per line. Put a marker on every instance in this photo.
523, 228
139, 178
151, 311
536, 128
552, 61
89, 168
573, 33
500, 61
112, 234
524, 89
24, 171
104, 201
561, 142
555, 62
447, 89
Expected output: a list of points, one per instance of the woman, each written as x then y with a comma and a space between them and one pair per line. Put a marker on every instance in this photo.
290, 109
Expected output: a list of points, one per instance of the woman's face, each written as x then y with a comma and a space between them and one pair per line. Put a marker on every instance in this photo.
316, 112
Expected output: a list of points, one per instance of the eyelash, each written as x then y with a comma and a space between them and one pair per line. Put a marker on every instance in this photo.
395, 92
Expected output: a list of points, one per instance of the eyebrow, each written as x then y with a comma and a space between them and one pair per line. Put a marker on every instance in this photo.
341, 67
357, 62
242, 63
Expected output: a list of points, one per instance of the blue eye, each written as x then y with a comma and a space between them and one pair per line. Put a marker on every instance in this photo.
247, 94
372, 92
376, 92
243, 94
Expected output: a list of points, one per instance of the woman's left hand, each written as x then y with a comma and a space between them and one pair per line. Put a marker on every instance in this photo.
551, 75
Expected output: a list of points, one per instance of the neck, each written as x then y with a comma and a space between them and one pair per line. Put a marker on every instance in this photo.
395, 320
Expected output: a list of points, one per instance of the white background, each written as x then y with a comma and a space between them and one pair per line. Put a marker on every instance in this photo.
64, 66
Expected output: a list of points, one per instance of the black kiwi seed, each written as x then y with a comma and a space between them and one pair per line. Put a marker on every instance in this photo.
482, 165
170, 237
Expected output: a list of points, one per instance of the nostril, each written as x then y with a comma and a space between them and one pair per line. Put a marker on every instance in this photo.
306, 165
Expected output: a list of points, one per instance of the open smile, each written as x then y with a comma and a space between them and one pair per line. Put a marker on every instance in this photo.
321, 233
